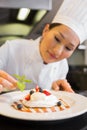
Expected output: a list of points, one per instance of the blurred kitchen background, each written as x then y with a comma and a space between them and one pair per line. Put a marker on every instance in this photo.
37, 13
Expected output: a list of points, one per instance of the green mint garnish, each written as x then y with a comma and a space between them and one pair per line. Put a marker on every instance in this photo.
21, 81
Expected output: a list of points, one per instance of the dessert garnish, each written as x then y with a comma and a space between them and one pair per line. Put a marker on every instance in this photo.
40, 101
21, 81
40, 98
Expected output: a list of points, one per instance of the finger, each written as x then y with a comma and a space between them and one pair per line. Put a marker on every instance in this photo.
6, 84
1, 88
55, 86
65, 85
8, 77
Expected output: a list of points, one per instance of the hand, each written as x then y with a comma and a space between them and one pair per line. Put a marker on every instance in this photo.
7, 82
62, 85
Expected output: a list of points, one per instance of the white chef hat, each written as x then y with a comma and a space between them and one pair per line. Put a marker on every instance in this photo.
73, 13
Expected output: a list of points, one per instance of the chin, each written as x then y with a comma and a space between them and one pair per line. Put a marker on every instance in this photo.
47, 61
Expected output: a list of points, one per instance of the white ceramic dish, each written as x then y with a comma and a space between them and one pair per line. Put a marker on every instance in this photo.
78, 106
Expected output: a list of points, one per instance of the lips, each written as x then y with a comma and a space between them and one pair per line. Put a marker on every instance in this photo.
52, 55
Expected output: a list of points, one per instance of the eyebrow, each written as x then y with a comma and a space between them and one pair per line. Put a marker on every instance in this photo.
64, 38
61, 35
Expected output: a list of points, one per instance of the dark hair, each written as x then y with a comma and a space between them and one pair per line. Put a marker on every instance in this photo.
52, 25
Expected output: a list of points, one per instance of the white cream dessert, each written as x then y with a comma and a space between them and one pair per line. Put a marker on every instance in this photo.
40, 99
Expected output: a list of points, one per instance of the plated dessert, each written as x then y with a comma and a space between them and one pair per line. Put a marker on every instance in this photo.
40, 100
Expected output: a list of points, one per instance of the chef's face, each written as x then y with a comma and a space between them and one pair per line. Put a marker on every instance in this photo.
57, 43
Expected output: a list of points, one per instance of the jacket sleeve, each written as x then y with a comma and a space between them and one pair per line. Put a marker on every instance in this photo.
4, 49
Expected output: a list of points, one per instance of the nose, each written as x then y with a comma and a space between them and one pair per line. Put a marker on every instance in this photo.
58, 49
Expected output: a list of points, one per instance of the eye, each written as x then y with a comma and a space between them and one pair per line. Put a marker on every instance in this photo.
69, 49
57, 39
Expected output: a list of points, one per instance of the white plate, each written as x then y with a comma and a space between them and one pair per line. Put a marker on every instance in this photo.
77, 102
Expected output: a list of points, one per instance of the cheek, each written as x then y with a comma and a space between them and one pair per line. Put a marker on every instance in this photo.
67, 55
49, 44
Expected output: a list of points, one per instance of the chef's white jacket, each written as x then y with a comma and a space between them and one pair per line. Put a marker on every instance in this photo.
22, 57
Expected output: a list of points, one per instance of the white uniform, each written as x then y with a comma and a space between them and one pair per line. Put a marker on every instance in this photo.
22, 57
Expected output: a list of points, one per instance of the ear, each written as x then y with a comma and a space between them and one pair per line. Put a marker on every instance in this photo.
45, 30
